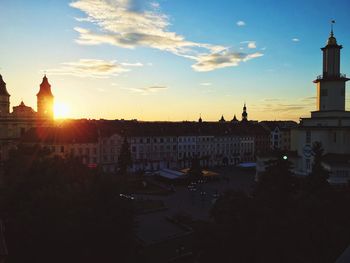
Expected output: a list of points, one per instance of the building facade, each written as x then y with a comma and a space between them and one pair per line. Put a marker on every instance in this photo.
15, 124
329, 124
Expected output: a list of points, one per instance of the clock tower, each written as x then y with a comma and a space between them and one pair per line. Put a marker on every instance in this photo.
331, 84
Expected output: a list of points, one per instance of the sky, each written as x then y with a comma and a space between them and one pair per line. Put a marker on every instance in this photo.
170, 60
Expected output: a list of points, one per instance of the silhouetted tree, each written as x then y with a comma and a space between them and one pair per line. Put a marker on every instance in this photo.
277, 184
195, 170
124, 159
282, 221
58, 210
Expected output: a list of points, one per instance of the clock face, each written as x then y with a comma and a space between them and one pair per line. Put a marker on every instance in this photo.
307, 151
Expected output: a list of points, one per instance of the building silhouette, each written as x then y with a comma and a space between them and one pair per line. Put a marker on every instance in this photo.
13, 125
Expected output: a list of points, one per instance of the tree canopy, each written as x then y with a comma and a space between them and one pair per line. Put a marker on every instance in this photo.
283, 220
58, 210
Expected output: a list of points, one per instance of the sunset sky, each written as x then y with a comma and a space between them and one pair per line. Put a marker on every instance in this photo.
170, 59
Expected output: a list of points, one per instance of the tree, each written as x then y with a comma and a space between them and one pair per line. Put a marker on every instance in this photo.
195, 170
58, 210
125, 159
277, 184
316, 183
318, 171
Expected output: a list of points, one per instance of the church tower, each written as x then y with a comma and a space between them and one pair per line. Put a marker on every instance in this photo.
331, 84
45, 100
4, 99
244, 113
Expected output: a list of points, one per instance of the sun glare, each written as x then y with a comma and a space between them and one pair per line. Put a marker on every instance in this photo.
61, 110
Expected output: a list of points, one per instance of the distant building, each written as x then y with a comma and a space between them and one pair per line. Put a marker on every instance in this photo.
153, 145
15, 124
280, 134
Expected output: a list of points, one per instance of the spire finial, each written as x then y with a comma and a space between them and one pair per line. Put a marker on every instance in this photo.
332, 23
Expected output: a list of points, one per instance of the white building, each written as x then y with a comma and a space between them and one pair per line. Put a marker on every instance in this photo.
329, 124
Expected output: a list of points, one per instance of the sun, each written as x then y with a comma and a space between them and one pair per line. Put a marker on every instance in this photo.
61, 110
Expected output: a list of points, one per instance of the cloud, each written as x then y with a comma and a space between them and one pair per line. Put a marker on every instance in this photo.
147, 90
206, 84
137, 64
283, 109
271, 99
295, 39
132, 23
309, 99
250, 44
240, 23
222, 60
92, 68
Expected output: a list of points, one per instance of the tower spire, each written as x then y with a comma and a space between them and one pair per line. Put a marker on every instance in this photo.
332, 23
4, 99
45, 100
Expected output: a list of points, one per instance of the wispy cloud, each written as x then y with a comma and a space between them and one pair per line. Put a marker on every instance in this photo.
92, 68
271, 99
308, 99
250, 44
282, 108
137, 64
130, 24
240, 23
147, 90
295, 39
222, 60
206, 84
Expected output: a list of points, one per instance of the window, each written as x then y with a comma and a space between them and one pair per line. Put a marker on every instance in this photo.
62, 149
324, 92
335, 137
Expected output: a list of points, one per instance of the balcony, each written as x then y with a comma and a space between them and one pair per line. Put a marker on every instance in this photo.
327, 77
324, 76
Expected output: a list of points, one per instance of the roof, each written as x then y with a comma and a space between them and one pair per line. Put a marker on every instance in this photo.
170, 174
90, 130
135, 128
271, 125
45, 88
3, 90
77, 133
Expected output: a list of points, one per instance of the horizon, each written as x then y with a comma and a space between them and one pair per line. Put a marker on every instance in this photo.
174, 66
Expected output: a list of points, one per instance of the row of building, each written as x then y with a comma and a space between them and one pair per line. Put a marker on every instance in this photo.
153, 145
